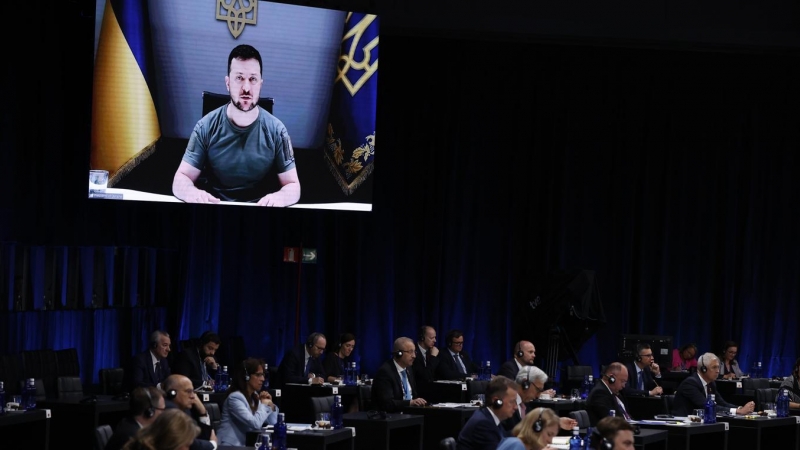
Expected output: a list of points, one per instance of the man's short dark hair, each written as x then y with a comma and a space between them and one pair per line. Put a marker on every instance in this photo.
209, 336
140, 401
498, 387
245, 52
452, 334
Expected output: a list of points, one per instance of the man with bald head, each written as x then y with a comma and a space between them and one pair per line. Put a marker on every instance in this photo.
179, 392
394, 385
524, 353
606, 395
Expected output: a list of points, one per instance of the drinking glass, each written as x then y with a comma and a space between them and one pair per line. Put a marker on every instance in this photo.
576, 394
324, 420
260, 440
700, 413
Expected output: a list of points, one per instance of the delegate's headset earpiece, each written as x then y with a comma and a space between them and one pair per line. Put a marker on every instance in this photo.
519, 352
611, 378
526, 383
602, 442
246, 374
171, 394
538, 426
497, 403
703, 367
398, 354
151, 410
421, 335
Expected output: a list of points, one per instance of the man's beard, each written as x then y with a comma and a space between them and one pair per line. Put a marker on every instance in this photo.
238, 105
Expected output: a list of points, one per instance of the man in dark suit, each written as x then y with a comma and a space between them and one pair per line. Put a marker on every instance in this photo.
198, 363
606, 395
302, 364
394, 386
484, 429
642, 372
427, 360
454, 363
694, 389
146, 403
179, 394
523, 355
150, 367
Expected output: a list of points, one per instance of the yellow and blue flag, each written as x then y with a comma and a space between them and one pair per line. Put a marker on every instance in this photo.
124, 120
350, 140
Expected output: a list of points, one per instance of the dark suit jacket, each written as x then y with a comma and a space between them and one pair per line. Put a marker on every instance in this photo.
509, 369
449, 369
424, 374
690, 395
188, 363
480, 432
141, 372
125, 429
631, 388
293, 366
387, 387
601, 401
202, 441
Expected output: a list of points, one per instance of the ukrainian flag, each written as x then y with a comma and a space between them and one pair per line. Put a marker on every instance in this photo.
350, 140
124, 120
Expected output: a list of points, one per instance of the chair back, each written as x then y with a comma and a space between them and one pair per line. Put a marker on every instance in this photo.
448, 443
101, 436
749, 385
322, 404
765, 395
574, 377
364, 398
214, 414
111, 380
669, 399
69, 388
582, 417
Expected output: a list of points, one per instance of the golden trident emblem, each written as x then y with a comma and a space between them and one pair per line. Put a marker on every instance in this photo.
237, 13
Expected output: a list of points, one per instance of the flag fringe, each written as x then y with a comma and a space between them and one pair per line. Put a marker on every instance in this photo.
132, 163
348, 188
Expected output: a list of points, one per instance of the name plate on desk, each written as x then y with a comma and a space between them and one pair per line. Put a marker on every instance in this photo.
106, 195
463, 386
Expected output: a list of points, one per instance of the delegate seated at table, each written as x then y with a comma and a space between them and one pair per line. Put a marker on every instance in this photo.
729, 365
683, 358
694, 390
394, 385
246, 407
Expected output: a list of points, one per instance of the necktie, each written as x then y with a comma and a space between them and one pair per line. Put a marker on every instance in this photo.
522, 409
708, 389
461, 363
641, 380
406, 386
157, 371
308, 363
622, 407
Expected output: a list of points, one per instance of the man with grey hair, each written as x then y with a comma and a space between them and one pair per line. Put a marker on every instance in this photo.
394, 385
694, 390
530, 381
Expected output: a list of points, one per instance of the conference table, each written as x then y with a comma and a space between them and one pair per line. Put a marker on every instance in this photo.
441, 421
687, 436
391, 432
296, 399
763, 432
27, 429
562, 407
311, 439
79, 418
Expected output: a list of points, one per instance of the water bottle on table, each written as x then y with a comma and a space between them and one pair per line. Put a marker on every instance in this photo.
710, 415
782, 403
575, 442
337, 413
279, 433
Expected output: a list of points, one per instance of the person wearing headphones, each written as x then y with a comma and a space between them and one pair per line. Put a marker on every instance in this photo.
454, 363
791, 383
607, 395
302, 364
246, 407
612, 433
694, 389
484, 429
523, 355
146, 403
179, 394
530, 381
335, 361
394, 385
683, 358
643, 371
198, 363
171, 430
729, 367
150, 367
535, 432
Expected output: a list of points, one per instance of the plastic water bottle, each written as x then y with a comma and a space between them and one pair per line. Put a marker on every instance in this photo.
29, 395
2, 399
710, 413
782, 403
575, 442
337, 413
612, 413
487, 371
223, 380
264, 442
265, 384
279, 433
588, 384
352, 377
587, 440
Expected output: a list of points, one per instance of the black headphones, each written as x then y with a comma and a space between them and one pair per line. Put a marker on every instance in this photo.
246, 375
538, 426
526, 383
602, 442
397, 354
518, 351
422, 331
703, 367
611, 378
496, 403
170, 394
151, 410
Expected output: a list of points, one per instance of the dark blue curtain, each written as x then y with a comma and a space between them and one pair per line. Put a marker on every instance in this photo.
669, 173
